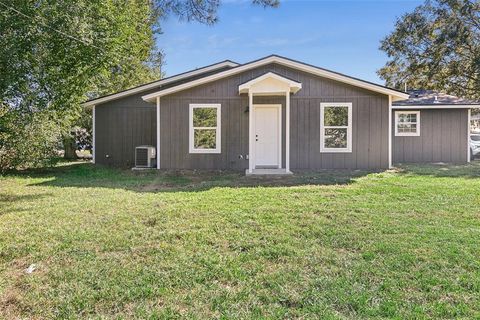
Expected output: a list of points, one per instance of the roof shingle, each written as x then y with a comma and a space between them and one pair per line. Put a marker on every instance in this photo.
432, 98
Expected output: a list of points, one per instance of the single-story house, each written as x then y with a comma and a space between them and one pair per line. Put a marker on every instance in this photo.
275, 115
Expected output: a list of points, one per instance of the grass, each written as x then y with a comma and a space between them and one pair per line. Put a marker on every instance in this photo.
402, 244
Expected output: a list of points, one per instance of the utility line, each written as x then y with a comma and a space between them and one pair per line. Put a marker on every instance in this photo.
116, 54
48, 27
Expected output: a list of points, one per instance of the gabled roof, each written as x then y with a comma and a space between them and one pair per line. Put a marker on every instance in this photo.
161, 82
396, 94
292, 85
433, 99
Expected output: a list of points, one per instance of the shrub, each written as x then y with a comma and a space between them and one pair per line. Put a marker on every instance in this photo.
27, 139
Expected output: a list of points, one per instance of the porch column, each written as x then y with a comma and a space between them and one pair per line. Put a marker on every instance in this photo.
287, 131
158, 133
250, 132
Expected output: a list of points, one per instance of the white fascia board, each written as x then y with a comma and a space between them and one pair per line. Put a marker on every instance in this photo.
293, 85
396, 95
158, 83
442, 106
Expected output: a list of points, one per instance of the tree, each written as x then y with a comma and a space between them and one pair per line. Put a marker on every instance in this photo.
29, 139
437, 46
203, 11
56, 54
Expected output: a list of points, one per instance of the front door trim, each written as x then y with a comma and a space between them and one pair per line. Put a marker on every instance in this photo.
279, 135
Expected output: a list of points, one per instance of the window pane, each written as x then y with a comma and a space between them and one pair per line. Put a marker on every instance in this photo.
407, 117
407, 128
204, 117
336, 138
205, 139
335, 116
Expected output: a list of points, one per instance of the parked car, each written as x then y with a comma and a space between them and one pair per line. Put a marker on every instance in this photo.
474, 145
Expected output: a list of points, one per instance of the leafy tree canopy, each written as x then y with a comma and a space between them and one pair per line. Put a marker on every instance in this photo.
437, 46
55, 54
204, 11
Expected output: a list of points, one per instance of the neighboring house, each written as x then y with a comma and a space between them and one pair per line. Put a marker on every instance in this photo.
475, 123
274, 115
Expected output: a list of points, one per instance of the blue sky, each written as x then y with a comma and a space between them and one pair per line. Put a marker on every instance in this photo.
343, 36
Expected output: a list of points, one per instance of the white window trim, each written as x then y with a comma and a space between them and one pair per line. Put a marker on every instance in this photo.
218, 140
323, 127
407, 134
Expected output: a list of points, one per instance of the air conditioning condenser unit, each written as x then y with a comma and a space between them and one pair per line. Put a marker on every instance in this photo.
145, 157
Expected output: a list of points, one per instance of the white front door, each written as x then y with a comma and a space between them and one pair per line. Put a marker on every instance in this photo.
267, 122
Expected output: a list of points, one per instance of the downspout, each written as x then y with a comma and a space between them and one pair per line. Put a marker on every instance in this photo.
251, 133
158, 133
390, 132
469, 117
287, 131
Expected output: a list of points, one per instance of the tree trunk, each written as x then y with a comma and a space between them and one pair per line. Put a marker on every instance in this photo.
69, 148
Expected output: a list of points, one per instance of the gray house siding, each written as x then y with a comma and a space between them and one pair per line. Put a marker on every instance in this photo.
174, 153
174, 135
370, 124
123, 124
369, 134
120, 126
443, 138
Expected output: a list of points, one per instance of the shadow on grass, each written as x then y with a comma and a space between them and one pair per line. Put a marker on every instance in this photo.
86, 175
8, 202
7, 199
442, 170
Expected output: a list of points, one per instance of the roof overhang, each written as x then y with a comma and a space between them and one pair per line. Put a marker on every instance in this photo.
395, 94
161, 82
270, 84
438, 106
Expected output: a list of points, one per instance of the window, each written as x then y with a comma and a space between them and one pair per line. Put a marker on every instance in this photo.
204, 127
407, 123
335, 127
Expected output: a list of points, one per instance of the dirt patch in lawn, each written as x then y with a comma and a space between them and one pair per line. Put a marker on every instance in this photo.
95, 176
193, 179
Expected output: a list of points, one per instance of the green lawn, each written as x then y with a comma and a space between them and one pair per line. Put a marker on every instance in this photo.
333, 245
